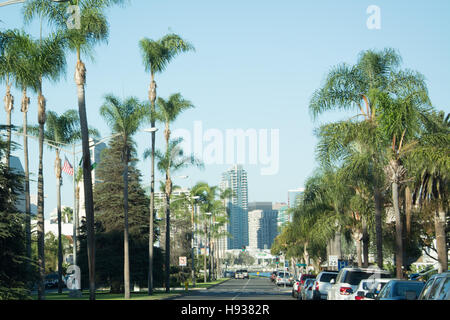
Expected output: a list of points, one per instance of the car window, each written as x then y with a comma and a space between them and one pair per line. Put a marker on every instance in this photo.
326, 277
444, 290
385, 291
354, 277
434, 289
340, 276
401, 288
426, 289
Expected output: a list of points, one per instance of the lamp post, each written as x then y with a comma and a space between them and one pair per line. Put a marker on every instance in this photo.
207, 239
151, 223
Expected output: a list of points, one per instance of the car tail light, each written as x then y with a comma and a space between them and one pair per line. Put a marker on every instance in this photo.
359, 298
345, 291
317, 286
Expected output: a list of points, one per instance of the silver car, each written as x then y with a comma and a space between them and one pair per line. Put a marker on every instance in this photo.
322, 284
306, 292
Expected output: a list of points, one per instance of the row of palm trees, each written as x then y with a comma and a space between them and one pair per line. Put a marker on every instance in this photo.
392, 156
26, 62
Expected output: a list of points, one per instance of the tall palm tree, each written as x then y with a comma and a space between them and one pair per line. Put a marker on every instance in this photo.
361, 87
156, 55
9, 65
169, 110
25, 77
49, 59
400, 122
171, 160
61, 130
93, 30
125, 118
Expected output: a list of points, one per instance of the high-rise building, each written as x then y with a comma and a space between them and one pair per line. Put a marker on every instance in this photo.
283, 214
293, 196
267, 224
235, 179
254, 228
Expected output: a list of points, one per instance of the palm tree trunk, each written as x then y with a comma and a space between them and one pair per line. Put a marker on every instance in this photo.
398, 232
126, 268
441, 243
80, 78
152, 97
204, 254
58, 206
167, 258
9, 104
40, 205
408, 207
24, 109
365, 241
357, 236
378, 225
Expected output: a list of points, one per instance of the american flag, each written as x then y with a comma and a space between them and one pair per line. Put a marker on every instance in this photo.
67, 167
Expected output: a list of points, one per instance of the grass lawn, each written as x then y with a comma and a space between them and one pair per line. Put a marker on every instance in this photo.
102, 295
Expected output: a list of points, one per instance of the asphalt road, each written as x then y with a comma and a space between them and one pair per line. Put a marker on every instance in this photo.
241, 289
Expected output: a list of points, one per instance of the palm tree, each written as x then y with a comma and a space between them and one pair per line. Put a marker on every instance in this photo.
8, 67
156, 56
125, 118
49, 60
170, 161
361, 87
169, 110
61, 130
400, 121
25, 77
93, 30
430, 161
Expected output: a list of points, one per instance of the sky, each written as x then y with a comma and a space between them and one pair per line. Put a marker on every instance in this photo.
255, 67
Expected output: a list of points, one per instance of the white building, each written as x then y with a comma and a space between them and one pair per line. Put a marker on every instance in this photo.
254, 228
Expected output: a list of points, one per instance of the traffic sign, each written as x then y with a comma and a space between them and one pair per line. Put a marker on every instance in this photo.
182, 261
333, 261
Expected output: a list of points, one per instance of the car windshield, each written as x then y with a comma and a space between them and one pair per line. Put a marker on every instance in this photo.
326, 277
354, 277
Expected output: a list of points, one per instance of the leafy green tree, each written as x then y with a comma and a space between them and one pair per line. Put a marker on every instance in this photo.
156, 55
124, 118
14, 273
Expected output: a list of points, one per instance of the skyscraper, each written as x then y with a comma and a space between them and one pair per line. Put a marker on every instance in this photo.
236, 180
266, 226
293, 196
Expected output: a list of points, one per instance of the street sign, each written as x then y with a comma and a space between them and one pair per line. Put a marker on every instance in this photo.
182, 261
333, 261
342, 264
301, 265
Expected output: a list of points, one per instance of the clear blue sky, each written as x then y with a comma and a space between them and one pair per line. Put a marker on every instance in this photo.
256, 65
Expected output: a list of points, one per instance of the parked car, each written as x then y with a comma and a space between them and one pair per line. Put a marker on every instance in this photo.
238, 274
322, 284
306, 291
283, 278
300, 281
229, 274
51, 281
437, 287
401, 290
245, 274
369, 289
348, 279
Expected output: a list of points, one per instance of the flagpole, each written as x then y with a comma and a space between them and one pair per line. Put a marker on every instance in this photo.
75, 211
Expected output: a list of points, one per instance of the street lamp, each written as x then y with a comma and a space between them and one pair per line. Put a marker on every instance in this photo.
208, 235
151, 130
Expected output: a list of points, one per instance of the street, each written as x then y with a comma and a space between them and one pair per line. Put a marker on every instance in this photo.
241, 289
